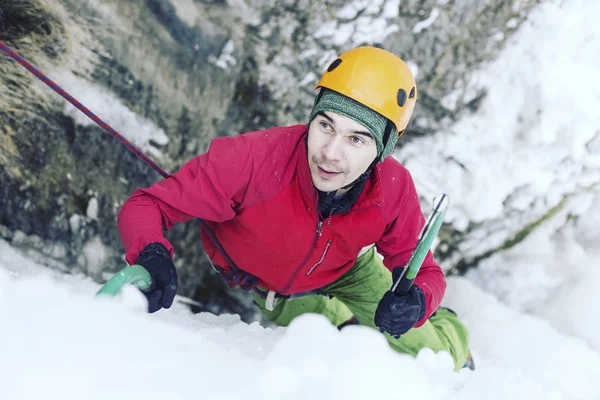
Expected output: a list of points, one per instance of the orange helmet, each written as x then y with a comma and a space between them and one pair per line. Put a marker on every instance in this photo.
377, 79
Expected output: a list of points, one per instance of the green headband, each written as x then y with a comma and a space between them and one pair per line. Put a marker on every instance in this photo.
328, 100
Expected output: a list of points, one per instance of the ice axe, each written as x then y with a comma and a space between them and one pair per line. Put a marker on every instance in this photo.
428, 233
134, 274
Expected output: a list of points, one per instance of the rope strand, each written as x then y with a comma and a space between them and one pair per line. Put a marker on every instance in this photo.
52, 85
245, 280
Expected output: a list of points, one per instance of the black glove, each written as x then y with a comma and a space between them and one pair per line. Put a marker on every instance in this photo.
396, 314
156, 259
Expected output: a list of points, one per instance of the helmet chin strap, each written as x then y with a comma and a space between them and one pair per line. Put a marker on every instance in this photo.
362, 176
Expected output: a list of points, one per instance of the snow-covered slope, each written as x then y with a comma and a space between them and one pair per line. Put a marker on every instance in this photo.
59, 341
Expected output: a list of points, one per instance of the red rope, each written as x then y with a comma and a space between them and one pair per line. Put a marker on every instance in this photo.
15, 56
130, 146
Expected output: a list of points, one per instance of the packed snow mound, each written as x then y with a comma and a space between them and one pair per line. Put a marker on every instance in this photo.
61, 340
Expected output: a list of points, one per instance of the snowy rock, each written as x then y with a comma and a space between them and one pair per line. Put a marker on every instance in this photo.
95, 256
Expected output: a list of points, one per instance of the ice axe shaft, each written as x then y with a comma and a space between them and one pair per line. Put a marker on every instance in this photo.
134, 274
428, 234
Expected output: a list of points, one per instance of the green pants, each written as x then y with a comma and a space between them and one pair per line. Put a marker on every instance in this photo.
357, 293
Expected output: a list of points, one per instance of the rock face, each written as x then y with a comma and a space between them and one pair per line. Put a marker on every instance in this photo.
171, 75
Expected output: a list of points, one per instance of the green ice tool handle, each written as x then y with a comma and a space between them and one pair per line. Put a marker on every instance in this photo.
428, 234
134, 274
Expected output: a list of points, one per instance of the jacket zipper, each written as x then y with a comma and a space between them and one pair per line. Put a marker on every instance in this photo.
321, 260
318, 233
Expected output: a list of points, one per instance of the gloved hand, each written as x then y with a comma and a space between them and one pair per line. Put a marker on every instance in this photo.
396, 314
156, 259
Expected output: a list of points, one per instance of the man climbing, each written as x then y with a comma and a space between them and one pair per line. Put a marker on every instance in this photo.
300, 215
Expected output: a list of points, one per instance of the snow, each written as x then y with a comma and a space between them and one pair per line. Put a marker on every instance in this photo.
426, 23
226, 58
92, 208
531, 309
94, 256
391, 8
351, 30
187, 11
142, 132
75, 345
535, 128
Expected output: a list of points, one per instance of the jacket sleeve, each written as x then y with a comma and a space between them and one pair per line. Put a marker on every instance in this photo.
209, 187
398, 242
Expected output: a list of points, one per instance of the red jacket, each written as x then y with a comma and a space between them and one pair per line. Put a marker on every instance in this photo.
255, 192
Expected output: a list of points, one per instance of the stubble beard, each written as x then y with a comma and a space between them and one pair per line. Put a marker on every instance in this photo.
324, 184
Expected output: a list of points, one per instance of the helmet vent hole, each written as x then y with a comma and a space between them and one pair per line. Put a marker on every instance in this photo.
334, 65
401, 97
412, 93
